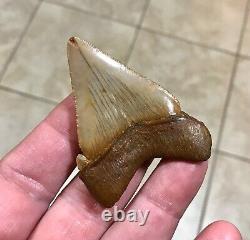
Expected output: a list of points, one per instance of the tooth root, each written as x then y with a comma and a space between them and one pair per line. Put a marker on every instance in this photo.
110, 98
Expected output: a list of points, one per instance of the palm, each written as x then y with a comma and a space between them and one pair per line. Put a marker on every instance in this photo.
32, 174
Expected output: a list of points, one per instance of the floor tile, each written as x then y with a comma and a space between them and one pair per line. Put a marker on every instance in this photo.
235, 138
128, 11
198, 77
18, 115
13, 19
245, 48
189, 224
215, 23
229, 197
40, 66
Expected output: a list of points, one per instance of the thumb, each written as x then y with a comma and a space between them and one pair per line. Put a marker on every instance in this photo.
221, 230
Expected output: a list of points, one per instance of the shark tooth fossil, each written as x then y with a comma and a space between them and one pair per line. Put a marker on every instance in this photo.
123, 120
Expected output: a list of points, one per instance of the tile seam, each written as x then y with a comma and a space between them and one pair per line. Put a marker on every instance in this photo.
27, 95
233, 155
147, 29
137, 30
88, 12
19, 41
223, 119
191, 42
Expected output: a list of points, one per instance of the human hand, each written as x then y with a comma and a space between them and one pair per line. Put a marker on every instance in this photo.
33, 172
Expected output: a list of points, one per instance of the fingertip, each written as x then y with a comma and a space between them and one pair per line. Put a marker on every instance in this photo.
222, 230
229, 229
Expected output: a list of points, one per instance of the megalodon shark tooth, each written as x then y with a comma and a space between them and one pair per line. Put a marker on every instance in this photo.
123, 120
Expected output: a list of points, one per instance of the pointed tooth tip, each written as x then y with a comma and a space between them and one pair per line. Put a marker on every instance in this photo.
77, 42
73, 42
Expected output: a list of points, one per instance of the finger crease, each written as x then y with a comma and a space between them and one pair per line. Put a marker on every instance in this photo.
168, 207
27, 184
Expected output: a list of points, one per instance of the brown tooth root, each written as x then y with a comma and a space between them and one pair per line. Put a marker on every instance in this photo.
179, 137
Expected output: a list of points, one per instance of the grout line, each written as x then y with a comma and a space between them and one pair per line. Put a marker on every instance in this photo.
139, 27
28, 95
245, 20
137, 30
223, 118
103, 16
23, 33
191, 42
245, 57
233, 155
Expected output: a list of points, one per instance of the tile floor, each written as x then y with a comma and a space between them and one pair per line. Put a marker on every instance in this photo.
199, 50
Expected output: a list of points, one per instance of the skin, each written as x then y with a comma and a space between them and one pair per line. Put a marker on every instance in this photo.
33, 172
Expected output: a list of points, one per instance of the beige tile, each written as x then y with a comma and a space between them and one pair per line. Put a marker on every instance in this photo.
198, 77
189, 224
245, 48
128, 11
215, 23
40, 65
18, 115
13, 19
229, 198
235, 138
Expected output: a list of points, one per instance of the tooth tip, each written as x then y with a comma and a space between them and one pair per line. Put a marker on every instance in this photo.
76, 42
72, 42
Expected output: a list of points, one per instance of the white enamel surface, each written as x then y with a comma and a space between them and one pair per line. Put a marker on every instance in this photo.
111, 97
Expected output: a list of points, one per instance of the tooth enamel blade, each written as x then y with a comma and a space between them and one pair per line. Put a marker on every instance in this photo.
110, 98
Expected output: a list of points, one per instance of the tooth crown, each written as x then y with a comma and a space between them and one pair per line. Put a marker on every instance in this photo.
110, 98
